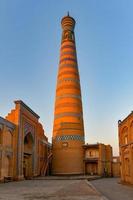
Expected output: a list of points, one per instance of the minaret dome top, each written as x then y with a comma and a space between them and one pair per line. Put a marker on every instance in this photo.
68, 23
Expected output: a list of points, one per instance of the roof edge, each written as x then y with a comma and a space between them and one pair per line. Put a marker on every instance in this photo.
27, 107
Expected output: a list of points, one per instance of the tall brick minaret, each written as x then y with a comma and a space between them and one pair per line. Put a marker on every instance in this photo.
68, 128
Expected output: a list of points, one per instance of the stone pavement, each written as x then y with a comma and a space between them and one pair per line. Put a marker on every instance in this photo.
112, 189
49, 190
63, 177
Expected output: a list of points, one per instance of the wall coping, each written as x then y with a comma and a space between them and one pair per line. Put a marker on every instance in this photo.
27, 107
7, 123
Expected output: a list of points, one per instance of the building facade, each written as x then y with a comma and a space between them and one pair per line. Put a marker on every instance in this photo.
68, 128
23, 144
125, 128
116, 166
98, 159
7, 132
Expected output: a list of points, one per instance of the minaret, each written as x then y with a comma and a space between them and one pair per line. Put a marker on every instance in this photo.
68, 128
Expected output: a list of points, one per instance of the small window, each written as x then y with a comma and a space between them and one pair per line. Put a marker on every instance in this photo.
125, 139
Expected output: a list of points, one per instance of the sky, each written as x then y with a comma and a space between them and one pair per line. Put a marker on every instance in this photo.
30, 35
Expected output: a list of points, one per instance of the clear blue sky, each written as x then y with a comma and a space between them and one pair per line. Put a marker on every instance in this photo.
30, 36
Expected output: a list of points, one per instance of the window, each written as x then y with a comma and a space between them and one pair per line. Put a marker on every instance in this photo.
114, 160
90, 154
125, 139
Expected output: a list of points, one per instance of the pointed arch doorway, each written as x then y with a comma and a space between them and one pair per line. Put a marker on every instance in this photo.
28, 156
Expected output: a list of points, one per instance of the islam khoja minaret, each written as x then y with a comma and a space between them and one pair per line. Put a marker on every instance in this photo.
68, 127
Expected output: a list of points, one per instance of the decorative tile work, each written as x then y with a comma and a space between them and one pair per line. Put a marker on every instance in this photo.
76, 87
67, 35
68, 59
68, 53
69, 96
68, 65
68, 46
67, 73
64, 114
69, 137
68, 79
28, 128
68, 105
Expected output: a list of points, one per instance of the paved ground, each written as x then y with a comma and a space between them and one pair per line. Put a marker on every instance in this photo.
66, 190
49, 190
74, 177
112, 189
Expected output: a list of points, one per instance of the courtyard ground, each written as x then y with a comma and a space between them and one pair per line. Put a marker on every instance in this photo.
106, 189
48, 189
112, 189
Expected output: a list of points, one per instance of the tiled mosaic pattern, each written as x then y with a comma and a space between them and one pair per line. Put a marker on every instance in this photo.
69, 137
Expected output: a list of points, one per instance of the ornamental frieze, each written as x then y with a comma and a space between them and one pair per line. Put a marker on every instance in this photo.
69, 137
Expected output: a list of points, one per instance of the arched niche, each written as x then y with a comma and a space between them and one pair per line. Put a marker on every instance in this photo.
28, 143
7, 161
9, 138
28, 155
124, 135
